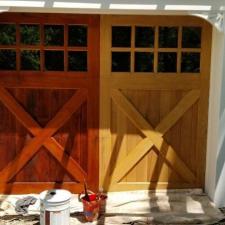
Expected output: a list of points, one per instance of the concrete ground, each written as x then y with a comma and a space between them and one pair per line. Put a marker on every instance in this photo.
135, 208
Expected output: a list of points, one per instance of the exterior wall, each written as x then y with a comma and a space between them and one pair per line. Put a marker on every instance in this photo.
215, 171
219, 197
214, 111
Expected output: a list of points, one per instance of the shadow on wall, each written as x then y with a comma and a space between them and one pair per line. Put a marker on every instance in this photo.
220, 161
220, 167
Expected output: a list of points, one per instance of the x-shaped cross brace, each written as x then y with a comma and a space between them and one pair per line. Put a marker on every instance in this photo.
42, 136
153, 137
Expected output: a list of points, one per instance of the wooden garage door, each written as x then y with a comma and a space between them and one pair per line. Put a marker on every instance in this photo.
49, 69
154, 101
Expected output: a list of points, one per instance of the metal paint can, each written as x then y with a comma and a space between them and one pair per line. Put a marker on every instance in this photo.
55, 207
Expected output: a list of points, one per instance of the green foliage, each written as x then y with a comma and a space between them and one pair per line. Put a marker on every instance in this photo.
30, 60
7, 34
30, 34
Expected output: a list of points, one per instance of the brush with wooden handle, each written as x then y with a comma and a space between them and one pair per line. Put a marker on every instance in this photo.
86, 196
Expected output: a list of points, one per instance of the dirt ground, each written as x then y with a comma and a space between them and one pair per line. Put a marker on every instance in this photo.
34, 220
132, 208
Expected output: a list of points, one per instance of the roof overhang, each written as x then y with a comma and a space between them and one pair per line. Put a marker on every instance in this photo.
212, 11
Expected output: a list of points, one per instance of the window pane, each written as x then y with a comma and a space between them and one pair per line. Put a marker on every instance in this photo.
7, 59
168, 37
7, 34
77, 35
54, 35
144, 37
191, 37
54, 60
29, 34
144, 61
167, 62
120, 61
30, 60
77, 61
190, 62
121, 36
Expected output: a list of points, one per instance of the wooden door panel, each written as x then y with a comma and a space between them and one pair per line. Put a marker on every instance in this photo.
53, 171
129, 127
50, 128
154, 113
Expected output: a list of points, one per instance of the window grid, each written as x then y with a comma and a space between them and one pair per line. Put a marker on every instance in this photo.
65, 48
179, 50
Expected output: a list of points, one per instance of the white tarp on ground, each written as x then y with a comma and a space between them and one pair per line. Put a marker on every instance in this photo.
175, 207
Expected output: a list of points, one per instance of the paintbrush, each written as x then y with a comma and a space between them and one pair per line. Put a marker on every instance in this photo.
86, 196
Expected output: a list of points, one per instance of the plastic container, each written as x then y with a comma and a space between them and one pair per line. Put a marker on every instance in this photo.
91, 208
55, 207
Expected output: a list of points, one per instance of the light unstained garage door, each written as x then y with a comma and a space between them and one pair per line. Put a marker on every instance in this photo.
49, 109
154, 101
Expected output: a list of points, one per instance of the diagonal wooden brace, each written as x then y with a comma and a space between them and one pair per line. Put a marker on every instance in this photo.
154, 136
71, 166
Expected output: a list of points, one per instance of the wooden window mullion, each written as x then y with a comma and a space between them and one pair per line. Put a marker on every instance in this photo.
132, 61
66, 47
42, 58
156, 44
179, 52
18, 53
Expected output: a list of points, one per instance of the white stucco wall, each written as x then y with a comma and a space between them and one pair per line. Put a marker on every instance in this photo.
210, 9
219, 195
214, 112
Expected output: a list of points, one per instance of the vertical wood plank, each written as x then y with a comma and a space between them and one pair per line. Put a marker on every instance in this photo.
105, 102
203, 102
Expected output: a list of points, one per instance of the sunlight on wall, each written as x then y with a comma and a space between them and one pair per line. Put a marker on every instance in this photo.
189, 7
23, 3
78, 5
132, 6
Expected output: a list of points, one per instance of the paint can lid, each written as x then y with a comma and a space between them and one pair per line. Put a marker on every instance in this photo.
55, 196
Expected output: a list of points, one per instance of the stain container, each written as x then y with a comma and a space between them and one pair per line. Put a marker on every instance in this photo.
55, 207
91, 208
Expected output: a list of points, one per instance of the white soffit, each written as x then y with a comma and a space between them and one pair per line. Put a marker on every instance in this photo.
22, 3
77, 5
188, 7
212, 11
133, 6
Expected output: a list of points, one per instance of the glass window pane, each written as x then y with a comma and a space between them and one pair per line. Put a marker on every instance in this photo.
167, 62
30, 60
144, 37
168, 37
7, 59
120, 61
7, 34
144, 61
190, 62
121, 36
29, 34
77, 35
54, 60
77, 61
54, 35
191, 37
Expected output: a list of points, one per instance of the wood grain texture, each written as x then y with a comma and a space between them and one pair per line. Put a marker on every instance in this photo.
146, 128
45, 135
33, 146
164, 122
